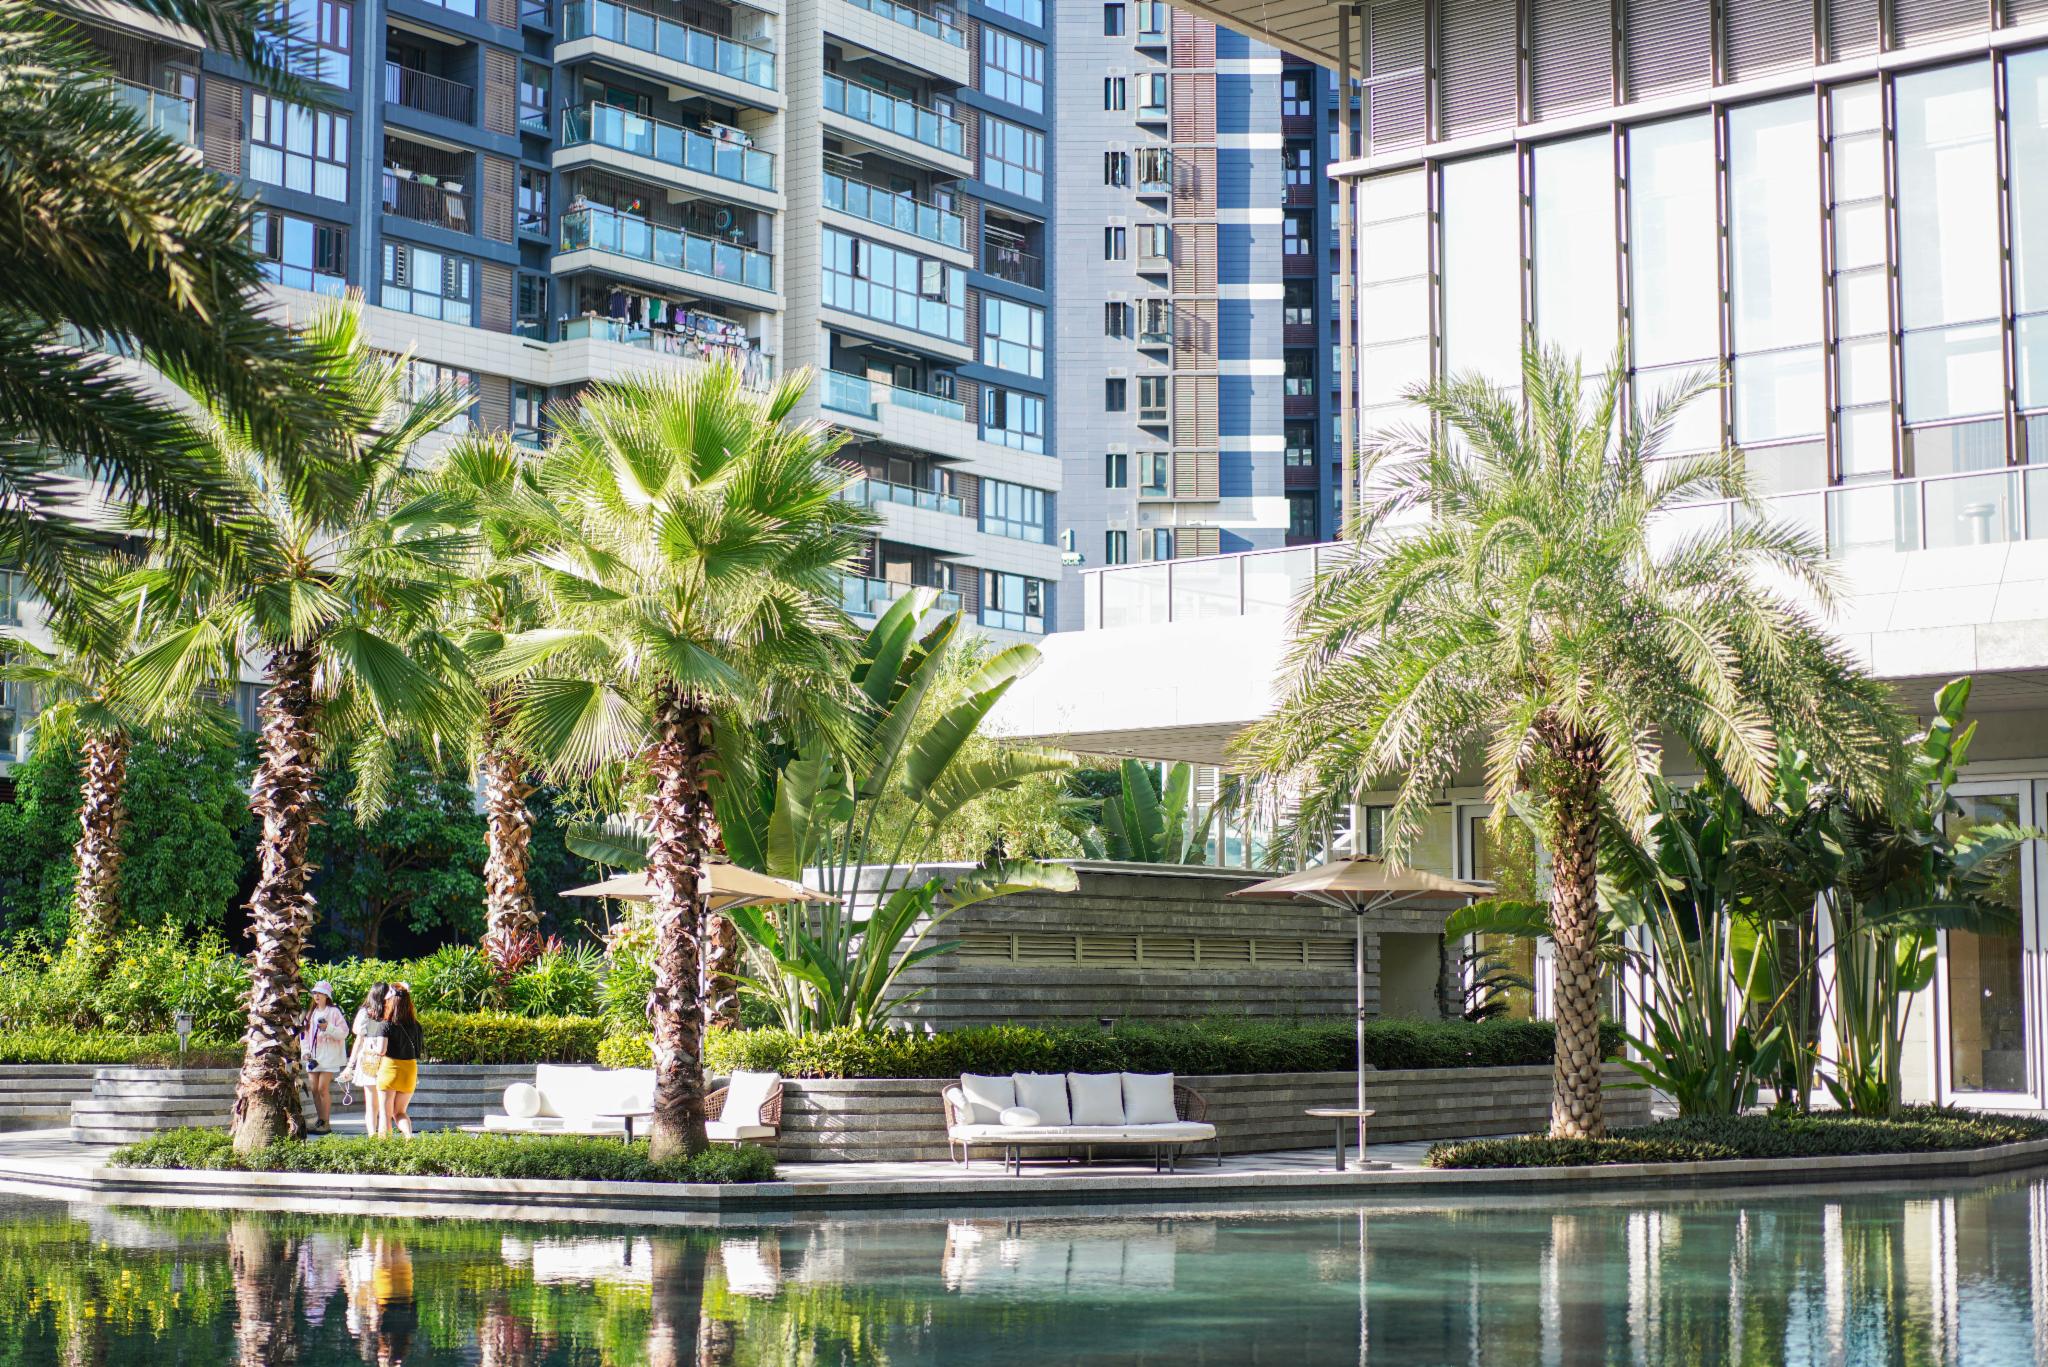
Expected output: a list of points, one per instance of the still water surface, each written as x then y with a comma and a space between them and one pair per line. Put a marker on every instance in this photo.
1947, 1275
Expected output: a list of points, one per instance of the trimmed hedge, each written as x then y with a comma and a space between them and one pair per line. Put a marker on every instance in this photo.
492, 1037
1707, 1139
447, 1153
46, 1044
1194, 1048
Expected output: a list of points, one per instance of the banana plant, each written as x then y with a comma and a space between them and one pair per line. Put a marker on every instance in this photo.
1147, 822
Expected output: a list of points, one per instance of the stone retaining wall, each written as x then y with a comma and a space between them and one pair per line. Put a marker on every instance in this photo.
890, 1119
38, 1096
127, 1104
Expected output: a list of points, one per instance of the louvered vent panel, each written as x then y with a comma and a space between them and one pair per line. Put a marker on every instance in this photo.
1193, 104
966, 488
1194, 171
1034, 947
221, 135
1767, 35
1476, 56
1194, 41
1572, 66
1667, 45
1395, 90
1278, 953
1213, 951
497, 297
1169, 951
501, 91
1194, 335
500, 176
966, 581
1194, 474
1915, 21
2025, 11
494, 403
970, 133
1110, 949
1194, 258
1194, 410
504, 13
1331, 953
1851, 28
984, 946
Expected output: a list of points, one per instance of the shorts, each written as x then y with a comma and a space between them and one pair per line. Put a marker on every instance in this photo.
398, 1075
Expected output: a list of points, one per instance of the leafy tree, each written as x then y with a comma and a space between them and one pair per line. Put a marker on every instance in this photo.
415, 863
697, 591
339, 600
1516, 594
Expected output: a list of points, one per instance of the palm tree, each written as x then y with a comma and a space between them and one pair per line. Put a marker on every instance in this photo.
77, 681
1519, 593
112, 236
345, 579
698, 593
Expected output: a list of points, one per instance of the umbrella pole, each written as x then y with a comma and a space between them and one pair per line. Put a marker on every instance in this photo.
1358, 984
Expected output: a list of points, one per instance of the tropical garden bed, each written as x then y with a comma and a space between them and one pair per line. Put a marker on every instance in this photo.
554, 1158
1710, 1139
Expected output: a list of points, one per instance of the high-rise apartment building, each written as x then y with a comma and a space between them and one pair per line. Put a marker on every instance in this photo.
532, 195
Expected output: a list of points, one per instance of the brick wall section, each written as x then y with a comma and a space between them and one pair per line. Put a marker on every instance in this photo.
874, 1120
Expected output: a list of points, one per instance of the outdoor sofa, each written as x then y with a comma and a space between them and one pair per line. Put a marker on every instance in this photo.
568, 1099
1085, 1111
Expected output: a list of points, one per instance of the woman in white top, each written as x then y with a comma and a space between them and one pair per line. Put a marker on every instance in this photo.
323, 1047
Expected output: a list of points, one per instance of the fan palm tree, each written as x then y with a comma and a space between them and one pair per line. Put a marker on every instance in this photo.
113, 236
340, 604
1518, 592
77, 681
698, 593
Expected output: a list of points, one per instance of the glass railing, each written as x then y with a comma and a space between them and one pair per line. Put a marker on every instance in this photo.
606, 230
756, 367
645, 32
911, 17
863, 398
891, 210
905, 117
875, 492
622, 130
168, 114
864, 597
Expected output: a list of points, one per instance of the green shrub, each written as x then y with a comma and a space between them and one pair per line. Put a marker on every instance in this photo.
47, 1044
492, 1037
563, 982
1919, 1129
452, 978
153, 974
1190, 1049
449, 1153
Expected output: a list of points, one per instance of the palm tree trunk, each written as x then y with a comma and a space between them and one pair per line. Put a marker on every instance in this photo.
509, 917
1575, 1109
681, 837
102, 820
284, 800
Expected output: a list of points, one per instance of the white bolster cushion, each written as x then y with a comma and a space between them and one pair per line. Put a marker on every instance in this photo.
1022, 1117
522, 1101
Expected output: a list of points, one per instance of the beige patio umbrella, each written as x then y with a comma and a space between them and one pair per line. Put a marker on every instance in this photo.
1408, 900
731, 886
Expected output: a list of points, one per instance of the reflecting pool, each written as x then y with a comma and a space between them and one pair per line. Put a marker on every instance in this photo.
1951, 1274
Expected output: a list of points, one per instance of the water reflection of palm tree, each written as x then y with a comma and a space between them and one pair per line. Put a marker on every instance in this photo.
678, 1265
264, 1270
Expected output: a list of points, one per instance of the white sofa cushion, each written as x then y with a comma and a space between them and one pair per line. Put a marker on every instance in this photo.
1018, 1117
1045, 1093
580, 1093
1097, 1098
987, 1097
553, 1124
1180, 1132
1148, 1099
522, 1101
746, 1094
735, 1130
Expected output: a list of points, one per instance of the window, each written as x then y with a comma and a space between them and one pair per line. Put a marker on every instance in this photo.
1116, 168
1155, 474
1113, 393
1152, 94
320, 35
1151, 18
533, 96
1948, 247
1016, 511
1300, 376
1013, 158
1114, 244
1116, 319
1298, 303
892, 286
1116, 470
1301, 516
427, 283
1574, 248
1301, 445
300, 253
1112, 21
1113, 92
1774, 270
1297, 232
1012, 602
529, 414
532, 206
1009, 418
1481, 270
1013, 336
298, 148
1299, 162
1012, 69
1159, 541
530, 306
1031, 12
1155, 242
424, 380
1297, 95
1152, 398
1116, 548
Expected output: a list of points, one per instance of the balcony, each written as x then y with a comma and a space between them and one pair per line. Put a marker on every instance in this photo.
604, 125
1150, 28
756, 369
865, 597
423, 199
1155, 323
1005, 260
662, 37
861, 397
874, 493
911, 17
160, 110
616, 234
892, 210
905, 118
429, 94
1156, 172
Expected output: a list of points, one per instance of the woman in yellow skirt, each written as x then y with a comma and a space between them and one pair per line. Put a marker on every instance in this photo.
399, 1076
